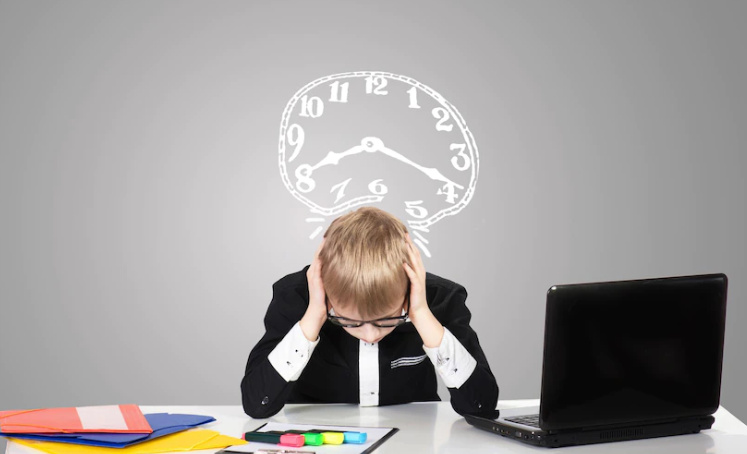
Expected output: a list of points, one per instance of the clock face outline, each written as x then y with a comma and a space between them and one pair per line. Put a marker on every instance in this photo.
445, 116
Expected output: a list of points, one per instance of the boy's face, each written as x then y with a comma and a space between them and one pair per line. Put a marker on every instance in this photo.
368, 332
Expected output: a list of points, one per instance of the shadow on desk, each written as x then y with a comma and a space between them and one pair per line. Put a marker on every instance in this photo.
700, 443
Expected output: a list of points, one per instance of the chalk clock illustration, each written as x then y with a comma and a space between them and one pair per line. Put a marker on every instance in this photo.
377, 138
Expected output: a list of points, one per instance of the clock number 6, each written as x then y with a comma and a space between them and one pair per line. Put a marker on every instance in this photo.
377, 188
442, 115
462, 154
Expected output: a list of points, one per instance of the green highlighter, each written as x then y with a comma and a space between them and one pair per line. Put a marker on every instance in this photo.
313, 439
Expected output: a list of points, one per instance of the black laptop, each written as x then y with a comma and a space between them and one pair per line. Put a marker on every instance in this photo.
625, 360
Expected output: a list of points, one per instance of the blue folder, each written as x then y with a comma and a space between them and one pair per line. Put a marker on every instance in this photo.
161, 423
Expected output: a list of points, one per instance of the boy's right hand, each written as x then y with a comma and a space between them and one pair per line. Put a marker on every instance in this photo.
316, 313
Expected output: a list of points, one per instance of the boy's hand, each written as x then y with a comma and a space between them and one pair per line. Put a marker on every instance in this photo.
316, 313
429, 328
416, 273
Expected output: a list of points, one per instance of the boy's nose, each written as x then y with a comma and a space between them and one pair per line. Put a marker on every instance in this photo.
370, 334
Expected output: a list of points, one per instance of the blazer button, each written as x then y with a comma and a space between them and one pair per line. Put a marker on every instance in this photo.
265, 400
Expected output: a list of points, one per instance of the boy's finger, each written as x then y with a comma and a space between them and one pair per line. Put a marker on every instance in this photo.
408, 271
411, 272
319, 248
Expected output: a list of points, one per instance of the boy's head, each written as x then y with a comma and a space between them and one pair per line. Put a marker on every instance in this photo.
362, 261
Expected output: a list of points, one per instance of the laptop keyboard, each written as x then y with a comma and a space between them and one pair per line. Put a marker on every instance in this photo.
528, 420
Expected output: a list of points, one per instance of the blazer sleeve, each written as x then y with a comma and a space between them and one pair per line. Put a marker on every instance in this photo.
264, 391
478, 395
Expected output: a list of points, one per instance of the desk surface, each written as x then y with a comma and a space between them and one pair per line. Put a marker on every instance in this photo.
436, 428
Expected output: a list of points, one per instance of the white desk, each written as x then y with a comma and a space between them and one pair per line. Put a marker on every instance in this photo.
436, 428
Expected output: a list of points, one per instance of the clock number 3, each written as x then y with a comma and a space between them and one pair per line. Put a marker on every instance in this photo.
461, 154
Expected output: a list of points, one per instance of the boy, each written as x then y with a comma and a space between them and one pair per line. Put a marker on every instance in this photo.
365, 323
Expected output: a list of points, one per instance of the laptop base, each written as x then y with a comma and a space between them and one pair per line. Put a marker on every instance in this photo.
538, 437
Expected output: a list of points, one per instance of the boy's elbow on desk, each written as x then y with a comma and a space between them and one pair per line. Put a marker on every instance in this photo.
257, 405
259, 411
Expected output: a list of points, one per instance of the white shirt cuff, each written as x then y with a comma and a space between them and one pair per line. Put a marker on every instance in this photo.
291, 355
452, 361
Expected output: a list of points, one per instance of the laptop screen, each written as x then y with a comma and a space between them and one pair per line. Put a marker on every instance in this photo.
642, 350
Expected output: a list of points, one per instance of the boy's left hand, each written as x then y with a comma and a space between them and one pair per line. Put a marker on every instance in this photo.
416, 273
430, 329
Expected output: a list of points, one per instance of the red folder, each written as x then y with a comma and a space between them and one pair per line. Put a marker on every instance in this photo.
107, 419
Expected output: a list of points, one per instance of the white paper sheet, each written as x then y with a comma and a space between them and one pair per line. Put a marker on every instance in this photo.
373, 434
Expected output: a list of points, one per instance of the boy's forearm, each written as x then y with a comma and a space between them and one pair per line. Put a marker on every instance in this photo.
311, 323
430, 329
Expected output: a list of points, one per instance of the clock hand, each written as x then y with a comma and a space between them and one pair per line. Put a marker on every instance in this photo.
377, 145
334, 158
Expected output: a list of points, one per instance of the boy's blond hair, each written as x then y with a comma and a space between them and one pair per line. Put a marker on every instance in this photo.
362, 261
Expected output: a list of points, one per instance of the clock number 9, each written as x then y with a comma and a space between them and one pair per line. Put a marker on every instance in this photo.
442, 115
376, 85
415, 210
295, 140
304, 182
377, 188
462, 154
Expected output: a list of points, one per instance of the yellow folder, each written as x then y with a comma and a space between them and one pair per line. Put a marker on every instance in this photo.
190, 440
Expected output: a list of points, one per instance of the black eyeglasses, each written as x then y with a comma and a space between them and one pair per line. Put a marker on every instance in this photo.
386, 322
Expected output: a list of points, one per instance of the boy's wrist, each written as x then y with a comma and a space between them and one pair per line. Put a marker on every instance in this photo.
430, 329
311, 324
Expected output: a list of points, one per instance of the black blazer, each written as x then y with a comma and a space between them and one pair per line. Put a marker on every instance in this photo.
331, 375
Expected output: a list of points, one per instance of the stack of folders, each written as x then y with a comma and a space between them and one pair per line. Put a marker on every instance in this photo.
115, 429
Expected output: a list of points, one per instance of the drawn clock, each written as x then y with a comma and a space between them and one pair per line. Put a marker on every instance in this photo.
356, 115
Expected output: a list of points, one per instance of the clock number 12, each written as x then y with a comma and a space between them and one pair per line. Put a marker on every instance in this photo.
376, 85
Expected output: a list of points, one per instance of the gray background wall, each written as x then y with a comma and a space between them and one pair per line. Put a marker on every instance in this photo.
144, 219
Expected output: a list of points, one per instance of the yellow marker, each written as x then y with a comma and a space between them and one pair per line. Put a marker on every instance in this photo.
333, 438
